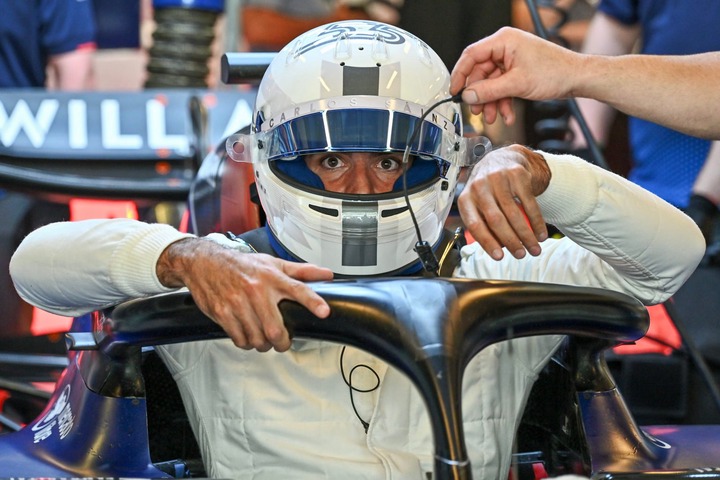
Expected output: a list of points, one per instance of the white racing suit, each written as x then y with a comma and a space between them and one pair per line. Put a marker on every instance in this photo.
288, 415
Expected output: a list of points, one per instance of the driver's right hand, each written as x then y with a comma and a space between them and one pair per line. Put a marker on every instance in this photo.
241, 291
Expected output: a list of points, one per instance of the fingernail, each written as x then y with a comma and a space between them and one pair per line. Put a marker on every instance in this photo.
520, 253
469, 96
497, 254
322, 311
542, 237
535, 251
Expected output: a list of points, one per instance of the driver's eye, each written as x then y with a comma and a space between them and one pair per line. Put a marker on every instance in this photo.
331, 162
389, 164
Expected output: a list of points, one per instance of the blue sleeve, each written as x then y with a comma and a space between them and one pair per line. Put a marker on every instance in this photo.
66, 25
624, 11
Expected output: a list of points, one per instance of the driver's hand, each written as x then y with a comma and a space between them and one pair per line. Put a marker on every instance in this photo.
241, 291
498, 204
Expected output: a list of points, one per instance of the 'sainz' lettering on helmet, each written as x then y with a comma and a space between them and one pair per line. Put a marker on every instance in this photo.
339, 103
387, 33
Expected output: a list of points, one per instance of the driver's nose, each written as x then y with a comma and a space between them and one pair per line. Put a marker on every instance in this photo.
360, 181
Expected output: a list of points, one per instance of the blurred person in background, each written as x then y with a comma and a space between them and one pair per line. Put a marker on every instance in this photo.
664, 161
43, 43
566, 21
268, 25
47, 36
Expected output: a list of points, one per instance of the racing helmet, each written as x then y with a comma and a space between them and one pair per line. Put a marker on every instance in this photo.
356, 86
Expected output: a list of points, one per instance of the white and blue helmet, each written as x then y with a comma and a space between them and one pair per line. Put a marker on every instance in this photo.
344, 87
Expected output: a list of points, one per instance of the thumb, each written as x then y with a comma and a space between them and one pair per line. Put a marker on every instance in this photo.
488, 90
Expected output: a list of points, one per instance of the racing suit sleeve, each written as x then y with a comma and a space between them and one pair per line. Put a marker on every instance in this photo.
618, 236
71, 268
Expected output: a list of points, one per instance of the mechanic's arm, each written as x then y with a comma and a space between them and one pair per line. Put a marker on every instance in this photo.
605, 36
513, 63
71, 268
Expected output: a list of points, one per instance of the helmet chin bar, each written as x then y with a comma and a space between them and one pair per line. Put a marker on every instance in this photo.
365, 236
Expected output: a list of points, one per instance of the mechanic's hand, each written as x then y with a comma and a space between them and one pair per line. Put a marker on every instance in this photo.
512, 63
498, 204
241, 291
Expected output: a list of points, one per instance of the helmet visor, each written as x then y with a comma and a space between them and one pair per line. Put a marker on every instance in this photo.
359, 130
347, 130
356, 130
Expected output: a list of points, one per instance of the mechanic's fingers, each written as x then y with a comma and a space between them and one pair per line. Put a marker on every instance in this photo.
475, 79
505, 107
477, 110
489, 111
464, 72
475, 63
483, 71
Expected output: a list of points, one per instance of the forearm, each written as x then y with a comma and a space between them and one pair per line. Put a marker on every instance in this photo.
605, 36
679, 92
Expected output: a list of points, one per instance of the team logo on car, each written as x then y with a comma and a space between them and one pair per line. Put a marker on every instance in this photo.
60, 415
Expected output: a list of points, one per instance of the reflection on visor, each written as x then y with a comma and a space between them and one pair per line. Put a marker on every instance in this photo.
354, 130
359, 130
